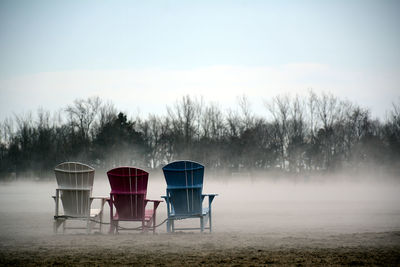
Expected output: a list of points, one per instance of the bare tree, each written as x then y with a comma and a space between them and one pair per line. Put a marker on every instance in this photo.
395, 115
234, 126
279, 108
247, 116
392, 132
311, 105
152, 131
296, 135
107, 113
7, 131
212, 123
83, 113
185, 119
167, 141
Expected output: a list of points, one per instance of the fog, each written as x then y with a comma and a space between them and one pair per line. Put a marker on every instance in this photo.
243, 205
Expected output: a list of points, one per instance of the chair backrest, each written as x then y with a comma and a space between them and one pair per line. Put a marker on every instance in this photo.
75, 182
184, 187
128, 191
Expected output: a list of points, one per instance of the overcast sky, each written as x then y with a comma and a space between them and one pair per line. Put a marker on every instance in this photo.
144, 55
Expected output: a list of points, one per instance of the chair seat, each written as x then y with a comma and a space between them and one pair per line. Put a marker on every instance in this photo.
148, 215
204, 213
93, 214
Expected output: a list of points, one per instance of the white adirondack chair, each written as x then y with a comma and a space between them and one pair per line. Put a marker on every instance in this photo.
75, 184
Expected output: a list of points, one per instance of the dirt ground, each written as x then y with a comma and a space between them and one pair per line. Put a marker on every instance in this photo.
275, 224
194, 249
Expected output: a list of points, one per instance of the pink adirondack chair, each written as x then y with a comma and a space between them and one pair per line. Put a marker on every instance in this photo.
128, 197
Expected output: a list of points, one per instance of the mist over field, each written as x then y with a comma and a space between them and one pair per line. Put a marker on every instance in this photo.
255, 220
259, 205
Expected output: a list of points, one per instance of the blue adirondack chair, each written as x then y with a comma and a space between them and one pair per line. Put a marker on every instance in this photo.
184, 196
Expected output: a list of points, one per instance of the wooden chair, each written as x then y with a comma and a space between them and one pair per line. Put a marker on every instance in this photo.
75, 184
128, 197
184, 196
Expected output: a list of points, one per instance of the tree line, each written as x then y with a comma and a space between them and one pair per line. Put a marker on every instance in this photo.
317, 133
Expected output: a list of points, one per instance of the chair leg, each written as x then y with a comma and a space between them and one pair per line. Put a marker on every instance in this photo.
144, 226
111, 229
57, 223
154, 223
101, 221
88, 226
92, 224
173, 226
64, 226
209, 222
168, 226
202, 224
113, 226
55, 226
149, 225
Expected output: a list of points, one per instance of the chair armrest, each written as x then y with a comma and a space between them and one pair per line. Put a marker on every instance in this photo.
210, 198
99, 197
155, 203
151, 200
127, 193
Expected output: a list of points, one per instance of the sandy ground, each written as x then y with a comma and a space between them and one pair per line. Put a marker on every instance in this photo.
255, 223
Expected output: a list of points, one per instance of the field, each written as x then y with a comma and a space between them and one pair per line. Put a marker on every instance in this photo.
256, 222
